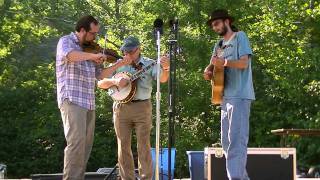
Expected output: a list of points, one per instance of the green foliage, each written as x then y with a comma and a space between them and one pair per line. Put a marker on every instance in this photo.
284, 36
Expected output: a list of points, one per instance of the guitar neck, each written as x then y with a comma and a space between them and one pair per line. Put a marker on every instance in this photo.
139, 73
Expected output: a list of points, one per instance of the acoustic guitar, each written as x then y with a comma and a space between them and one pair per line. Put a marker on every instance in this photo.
217, 81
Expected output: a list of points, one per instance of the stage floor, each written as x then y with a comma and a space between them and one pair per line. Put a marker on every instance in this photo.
190, 179
296, 179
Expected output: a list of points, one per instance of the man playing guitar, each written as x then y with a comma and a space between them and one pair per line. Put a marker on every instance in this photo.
137, 113
237, 94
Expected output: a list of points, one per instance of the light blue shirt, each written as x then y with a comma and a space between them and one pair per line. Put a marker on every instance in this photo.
144, 83
237, 82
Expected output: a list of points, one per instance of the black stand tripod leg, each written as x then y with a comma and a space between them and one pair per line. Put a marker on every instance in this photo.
110, 174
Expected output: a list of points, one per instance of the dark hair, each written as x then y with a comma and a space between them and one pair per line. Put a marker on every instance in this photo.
233, 27
85, 22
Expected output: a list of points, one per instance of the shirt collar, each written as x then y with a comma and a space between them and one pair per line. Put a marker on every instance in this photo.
74, 38
141, 60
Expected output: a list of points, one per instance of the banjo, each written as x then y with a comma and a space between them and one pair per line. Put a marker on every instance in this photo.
126, 94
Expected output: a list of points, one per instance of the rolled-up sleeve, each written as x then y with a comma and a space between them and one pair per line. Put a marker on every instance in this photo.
65, 46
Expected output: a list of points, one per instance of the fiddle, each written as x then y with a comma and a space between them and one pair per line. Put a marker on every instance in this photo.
93, 47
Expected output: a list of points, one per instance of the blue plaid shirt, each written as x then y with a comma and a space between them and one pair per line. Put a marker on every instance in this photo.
75, 80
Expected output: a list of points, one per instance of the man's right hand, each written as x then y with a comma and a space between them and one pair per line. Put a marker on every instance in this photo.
207, 74
98, 58
121, 82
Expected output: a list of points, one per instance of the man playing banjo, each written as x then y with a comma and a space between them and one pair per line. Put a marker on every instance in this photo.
136, 112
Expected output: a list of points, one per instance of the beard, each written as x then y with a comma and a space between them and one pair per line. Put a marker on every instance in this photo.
224, 31
85, 39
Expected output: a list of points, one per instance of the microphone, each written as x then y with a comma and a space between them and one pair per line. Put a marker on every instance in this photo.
158, 25
173, 24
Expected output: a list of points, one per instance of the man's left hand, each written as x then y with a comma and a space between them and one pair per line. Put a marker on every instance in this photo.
165, 62
219, 62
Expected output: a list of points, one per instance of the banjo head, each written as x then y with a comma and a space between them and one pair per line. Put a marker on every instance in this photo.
122, 94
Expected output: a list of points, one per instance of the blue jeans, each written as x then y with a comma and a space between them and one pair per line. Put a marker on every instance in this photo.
234, 136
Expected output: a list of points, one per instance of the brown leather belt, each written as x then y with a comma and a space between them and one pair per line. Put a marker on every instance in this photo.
139, 100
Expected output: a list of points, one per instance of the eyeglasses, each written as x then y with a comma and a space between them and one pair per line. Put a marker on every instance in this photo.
93, 33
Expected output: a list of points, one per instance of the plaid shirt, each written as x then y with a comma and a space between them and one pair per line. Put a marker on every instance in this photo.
75, 80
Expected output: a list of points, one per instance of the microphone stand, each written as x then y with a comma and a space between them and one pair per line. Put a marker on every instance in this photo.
117, 165
172, 42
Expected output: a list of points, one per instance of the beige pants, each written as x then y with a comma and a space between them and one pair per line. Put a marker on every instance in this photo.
78, 125
137, 116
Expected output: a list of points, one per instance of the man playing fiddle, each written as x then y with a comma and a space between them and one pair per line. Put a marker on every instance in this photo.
76, 73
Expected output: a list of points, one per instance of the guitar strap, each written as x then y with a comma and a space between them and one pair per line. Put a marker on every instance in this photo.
220, 43
220, 47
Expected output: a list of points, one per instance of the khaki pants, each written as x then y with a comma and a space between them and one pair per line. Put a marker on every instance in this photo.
137, 116
78, 125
